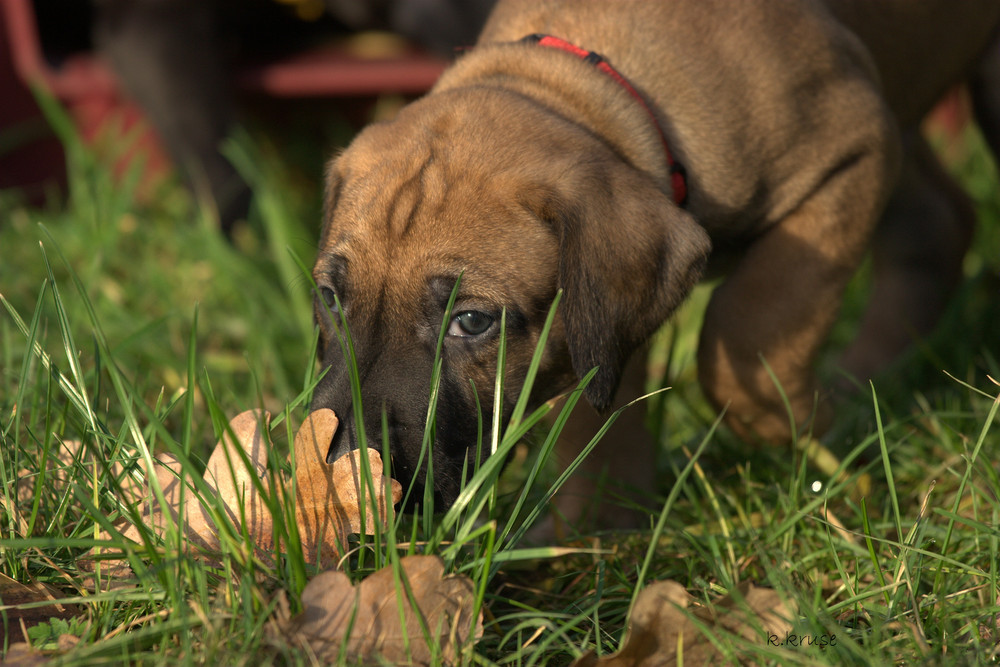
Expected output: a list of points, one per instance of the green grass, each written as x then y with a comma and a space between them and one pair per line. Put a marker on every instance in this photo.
129, 325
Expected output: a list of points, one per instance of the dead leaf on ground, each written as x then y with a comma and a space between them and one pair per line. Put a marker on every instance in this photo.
232, 485
327, 496
22, 655
236, 480
18, 601
364, 621
665, 629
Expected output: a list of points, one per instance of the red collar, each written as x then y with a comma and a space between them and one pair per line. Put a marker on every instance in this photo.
678, 176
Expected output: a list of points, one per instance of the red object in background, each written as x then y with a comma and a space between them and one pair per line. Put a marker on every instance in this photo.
952, 113
30, 156
81, 82
88, 89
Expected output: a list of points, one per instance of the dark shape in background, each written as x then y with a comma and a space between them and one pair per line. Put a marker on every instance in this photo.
183, 65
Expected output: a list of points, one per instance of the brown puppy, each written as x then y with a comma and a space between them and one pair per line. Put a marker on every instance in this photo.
530, 169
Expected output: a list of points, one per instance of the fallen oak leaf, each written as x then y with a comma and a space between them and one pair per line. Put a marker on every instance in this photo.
21, 654
233, 478
664, 630
167, 472
328, 498
226, 475
425, 618
27, 605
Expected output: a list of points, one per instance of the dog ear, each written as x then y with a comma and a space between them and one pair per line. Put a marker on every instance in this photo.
628, 257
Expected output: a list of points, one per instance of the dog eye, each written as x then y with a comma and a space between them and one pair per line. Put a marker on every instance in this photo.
470, 323
329, 297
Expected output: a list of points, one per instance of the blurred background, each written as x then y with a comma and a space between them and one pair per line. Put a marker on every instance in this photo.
172, 78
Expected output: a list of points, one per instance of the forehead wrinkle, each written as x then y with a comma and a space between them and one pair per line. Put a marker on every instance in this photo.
408, 214
421, 203
405, 203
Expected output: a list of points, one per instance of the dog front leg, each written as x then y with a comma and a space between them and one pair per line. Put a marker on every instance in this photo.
775, 309
617, 478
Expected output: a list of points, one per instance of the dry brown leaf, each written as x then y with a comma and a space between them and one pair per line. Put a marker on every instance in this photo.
154, 516
17, 601
22, 655
228, 474
232, 484
663, 626
328, 497
364, 621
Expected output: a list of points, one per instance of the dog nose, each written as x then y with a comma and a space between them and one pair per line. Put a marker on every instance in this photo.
344, 440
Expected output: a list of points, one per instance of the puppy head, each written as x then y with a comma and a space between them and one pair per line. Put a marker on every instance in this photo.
512, 202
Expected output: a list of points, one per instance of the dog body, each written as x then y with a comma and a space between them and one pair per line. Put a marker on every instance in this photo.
528, 170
